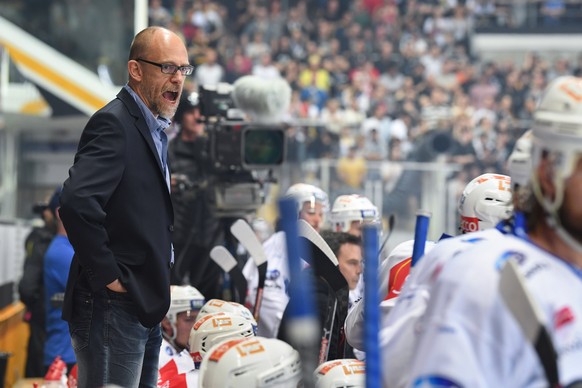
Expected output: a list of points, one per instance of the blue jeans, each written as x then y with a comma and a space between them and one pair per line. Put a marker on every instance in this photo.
111, 345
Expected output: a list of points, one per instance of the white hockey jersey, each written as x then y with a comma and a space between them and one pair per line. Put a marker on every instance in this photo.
176, 369
275, 296
470, 338
401, 324
393, 273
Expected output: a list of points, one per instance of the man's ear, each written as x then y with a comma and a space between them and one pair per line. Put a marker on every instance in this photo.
134, 70
166, 326
545, 174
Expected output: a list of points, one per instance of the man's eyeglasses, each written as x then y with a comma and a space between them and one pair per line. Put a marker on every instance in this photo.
168, 68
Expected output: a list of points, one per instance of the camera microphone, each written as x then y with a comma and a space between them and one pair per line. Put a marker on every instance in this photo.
264, 101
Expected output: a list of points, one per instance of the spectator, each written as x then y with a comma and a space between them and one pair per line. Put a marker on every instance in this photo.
265, 68
158, 15
333, 116
210, 72
375, 148
351, 170
553, 11
378, 121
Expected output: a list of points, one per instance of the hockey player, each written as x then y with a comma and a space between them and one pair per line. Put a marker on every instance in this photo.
485, 201
251, 363
469, 338
350, 212
186, 302
312, 206
216, 320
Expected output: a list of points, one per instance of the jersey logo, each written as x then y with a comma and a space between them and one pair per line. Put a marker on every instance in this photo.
469, 224
563, 317
273, 274
518, 256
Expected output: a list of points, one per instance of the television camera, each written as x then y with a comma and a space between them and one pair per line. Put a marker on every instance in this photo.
245, 140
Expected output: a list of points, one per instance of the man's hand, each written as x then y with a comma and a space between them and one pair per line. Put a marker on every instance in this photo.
116, 286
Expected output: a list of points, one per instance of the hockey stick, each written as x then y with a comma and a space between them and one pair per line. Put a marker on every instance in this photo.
243, 232
420, 235
528, 315
224, 259
390, 229
371, 306
303, 326
325, 265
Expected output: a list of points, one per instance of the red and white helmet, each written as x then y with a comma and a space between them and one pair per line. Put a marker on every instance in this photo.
485, 201
214, 328
352, 207
183, 299
219, 305
303, 192
557, 139
347, 372
251, 363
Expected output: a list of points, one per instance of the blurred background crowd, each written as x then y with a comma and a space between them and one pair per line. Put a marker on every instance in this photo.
370, 78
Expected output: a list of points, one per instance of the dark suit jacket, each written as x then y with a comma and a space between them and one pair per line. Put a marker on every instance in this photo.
117, 211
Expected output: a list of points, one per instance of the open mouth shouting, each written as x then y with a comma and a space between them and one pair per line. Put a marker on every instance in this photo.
170, 96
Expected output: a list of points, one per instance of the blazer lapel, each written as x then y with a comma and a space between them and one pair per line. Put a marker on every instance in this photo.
141, 125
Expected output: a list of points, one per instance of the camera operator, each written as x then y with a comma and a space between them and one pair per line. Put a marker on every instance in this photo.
197, 228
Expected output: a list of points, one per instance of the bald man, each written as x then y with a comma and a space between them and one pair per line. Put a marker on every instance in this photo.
117, 211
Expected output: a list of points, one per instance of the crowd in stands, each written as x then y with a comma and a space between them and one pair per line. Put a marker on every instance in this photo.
376, 75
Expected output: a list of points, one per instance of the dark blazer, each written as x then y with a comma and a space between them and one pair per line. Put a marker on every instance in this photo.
117, 211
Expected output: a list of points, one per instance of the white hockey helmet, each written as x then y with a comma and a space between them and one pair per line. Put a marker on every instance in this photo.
249, 363
214, 328
349, 208
557, 134
183, 299
347, 372
303, 192
219, 305
485, 201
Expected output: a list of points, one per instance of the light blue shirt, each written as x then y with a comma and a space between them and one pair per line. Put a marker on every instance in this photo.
156, 127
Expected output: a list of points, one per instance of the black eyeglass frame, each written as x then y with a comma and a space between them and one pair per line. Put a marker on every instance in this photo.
168, 68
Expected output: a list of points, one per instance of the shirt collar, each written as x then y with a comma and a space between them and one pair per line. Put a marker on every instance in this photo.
152, 122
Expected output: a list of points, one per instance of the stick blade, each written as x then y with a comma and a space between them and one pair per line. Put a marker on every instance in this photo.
223, 258
519, 301
530, 318
245, 234
307, 231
